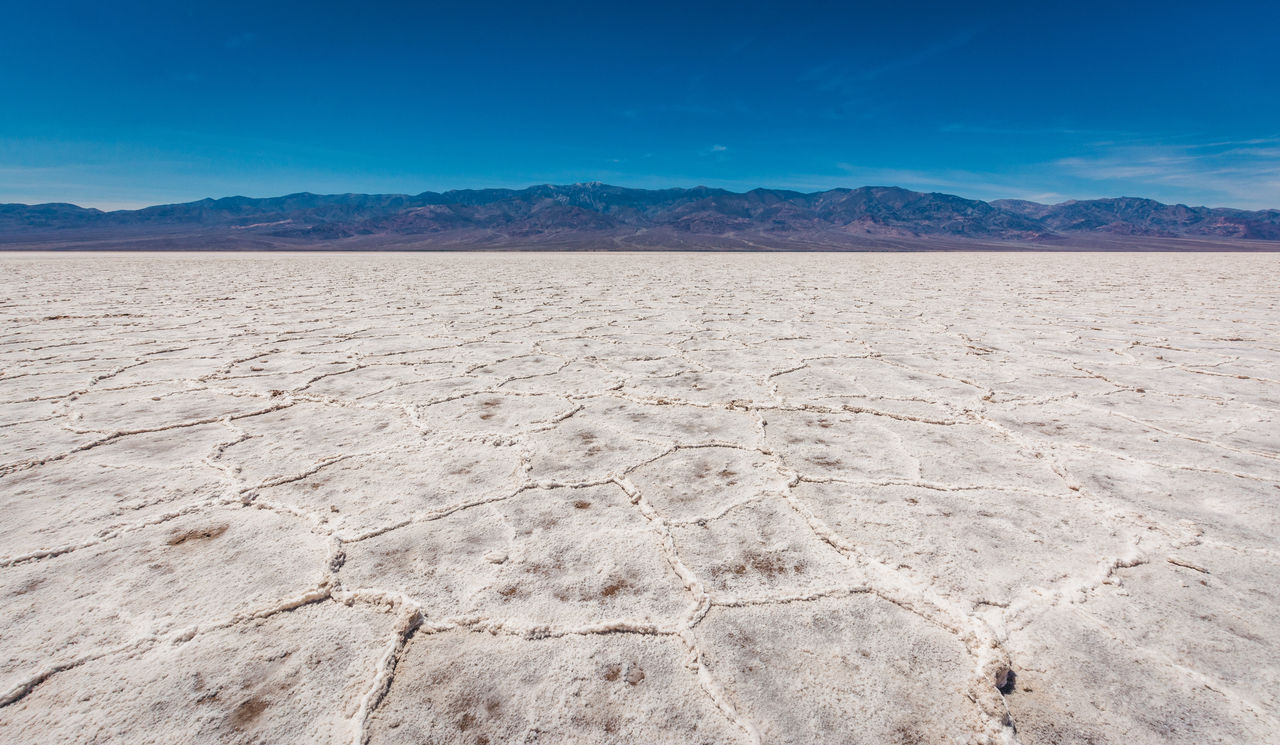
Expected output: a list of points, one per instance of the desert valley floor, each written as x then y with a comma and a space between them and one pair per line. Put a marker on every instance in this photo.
663, 498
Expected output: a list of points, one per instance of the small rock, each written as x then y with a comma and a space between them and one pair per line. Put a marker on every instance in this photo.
634, 674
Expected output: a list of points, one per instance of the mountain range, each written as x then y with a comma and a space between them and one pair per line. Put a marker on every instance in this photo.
599, 216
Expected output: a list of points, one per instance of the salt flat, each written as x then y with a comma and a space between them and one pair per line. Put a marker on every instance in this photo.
607, 498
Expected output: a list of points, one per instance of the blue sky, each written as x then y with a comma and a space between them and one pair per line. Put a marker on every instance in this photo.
127, 104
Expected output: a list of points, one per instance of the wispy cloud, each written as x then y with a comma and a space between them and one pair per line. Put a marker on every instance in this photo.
920, 56
1244, 173
841, 75
996, 129
850, 83
682, 110
716, 152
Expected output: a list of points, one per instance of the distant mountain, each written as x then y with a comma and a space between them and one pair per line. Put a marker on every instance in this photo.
596, 215
1145, 217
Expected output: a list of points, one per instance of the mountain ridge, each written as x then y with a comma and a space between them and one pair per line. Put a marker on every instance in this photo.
599, 215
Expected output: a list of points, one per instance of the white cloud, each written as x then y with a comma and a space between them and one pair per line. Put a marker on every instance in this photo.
1244, 173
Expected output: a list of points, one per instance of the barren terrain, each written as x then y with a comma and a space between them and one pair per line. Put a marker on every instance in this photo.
692, 498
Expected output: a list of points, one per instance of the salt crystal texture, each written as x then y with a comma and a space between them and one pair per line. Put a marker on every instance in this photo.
617, 498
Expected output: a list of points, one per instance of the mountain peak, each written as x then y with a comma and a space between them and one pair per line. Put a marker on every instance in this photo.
593, 213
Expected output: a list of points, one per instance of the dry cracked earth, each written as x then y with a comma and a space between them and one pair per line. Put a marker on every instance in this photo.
692, 498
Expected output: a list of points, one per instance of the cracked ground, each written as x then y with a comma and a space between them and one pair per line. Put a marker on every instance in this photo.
689, 498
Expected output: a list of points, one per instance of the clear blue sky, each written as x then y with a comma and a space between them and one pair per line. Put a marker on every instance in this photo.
125, 104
